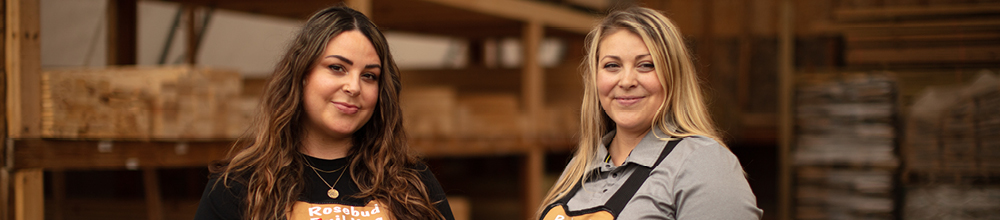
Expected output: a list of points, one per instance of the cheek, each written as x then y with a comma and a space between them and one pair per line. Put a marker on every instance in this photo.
605, 84
370, 96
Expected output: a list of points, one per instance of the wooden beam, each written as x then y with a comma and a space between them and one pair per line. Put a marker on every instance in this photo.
29, 195
533, 96
529, 11
90, 154
6, 159
154, 201
122, 30
953, 54
22, 68
57, 184
363, 6
896, 13
534, 172
786, 79
191, 34
532, 75
920, 27
122, 154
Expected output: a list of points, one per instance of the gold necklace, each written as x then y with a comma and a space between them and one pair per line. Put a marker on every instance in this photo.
332, 193
325, 171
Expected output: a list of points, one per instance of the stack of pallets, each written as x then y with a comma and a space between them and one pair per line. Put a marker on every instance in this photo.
844, 157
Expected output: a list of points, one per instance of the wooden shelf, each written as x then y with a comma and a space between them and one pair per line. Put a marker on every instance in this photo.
68, 154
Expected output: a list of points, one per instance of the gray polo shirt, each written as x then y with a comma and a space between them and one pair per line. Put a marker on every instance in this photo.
699, 179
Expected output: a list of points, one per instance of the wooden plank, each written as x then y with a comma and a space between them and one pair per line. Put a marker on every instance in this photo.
22, 68
29, 195
961, 54
547, 15
786, 79
122, 27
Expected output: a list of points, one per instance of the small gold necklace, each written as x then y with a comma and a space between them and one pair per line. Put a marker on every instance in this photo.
332, 193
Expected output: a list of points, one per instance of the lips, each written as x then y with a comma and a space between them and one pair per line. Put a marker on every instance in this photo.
346, 108
628, 100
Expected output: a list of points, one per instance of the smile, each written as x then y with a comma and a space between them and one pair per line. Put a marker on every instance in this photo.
346, 108
628, 100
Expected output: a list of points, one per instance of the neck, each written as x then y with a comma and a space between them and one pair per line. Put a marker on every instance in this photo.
324, 146
623, 143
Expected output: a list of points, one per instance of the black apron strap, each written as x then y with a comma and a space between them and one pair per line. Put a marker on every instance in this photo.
618, 201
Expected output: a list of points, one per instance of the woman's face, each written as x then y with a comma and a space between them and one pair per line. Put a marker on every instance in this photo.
341, 89
627, 83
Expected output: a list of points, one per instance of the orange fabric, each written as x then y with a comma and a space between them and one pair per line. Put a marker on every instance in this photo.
558, 213
308, 211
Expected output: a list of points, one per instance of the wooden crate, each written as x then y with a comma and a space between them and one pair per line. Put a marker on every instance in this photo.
142, 103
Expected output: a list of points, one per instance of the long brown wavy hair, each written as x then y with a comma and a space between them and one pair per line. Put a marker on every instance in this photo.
682, 111
267, 161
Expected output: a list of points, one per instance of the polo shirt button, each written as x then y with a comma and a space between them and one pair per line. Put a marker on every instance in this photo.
614, 175
605, 190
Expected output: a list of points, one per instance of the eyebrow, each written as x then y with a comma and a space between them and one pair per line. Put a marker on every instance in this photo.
619, 58
349, 62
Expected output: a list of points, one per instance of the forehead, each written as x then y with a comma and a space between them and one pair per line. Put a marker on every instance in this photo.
621, 42
352, 42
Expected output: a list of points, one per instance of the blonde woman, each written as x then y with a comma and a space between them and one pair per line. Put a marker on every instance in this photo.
329, 143
648, 148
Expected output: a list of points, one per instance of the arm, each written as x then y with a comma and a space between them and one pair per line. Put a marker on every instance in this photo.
711, 185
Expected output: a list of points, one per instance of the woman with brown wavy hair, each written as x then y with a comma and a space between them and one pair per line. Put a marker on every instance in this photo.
329, 142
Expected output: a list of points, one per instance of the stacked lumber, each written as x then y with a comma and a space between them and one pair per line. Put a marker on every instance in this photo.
954, 202
949, 33
950, 152
954, 132
142, 103
844, 157
441, 112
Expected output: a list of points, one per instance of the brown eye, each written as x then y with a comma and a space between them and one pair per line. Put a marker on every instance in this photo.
336, 68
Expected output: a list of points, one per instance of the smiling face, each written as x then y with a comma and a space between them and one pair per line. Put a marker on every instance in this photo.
341, 90
627, 82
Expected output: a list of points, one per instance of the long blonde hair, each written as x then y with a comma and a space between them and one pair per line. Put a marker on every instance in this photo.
682, 113
268, 162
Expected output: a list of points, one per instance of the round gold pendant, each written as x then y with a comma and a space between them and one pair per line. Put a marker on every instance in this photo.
332, 193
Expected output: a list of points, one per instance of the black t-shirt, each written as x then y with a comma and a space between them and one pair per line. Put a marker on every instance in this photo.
220, 202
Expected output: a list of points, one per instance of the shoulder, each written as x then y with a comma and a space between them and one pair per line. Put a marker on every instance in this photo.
222, 199
703, 151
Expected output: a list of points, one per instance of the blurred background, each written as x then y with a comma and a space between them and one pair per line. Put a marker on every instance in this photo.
837, 109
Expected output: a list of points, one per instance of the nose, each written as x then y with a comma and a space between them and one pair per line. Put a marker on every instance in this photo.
628, 78
353, 85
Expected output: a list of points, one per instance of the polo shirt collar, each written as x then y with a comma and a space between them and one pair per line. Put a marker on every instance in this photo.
644, 154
